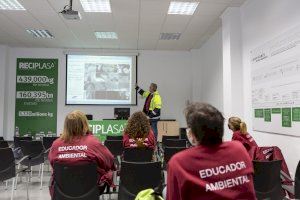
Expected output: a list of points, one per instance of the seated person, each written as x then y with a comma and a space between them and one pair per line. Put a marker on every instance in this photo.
138, 132
212, 169
240, 133
77, 145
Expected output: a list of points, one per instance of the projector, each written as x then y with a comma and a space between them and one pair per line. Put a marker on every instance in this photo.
70, 14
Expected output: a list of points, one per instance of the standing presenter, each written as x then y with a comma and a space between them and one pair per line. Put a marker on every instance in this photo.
152, 106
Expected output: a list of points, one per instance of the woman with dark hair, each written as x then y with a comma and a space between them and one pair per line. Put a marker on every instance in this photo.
138, 132
212, 169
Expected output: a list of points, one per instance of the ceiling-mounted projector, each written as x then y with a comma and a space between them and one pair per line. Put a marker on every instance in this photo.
70, 14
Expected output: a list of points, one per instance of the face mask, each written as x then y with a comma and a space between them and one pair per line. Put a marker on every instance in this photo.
191, 139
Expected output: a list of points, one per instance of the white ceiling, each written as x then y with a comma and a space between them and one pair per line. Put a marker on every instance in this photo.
138, 24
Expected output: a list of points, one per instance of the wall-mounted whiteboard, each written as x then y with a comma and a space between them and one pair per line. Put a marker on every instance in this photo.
276, 84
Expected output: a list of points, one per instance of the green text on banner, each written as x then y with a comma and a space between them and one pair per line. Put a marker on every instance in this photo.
36, 96
104, 128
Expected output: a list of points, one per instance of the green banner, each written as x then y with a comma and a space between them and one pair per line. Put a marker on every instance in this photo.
296, 114
36, 96
104, 128
259, 113
267, 115
286, 117
276, 110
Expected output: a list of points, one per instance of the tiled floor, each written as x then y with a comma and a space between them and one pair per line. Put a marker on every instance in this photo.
34, 190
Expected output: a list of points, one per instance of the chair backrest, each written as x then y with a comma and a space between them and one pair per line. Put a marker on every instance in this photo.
297, 182
167, 137
110, 137
182, 131
7, 164
137, 176
75, 182
175, 143
18, 139
31, 148
3, 144
48, 141
114, 146
183, 136
170, 151
138, 154
267, 181
1, 139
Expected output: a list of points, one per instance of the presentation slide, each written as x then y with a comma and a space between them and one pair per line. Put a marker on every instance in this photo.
103, 80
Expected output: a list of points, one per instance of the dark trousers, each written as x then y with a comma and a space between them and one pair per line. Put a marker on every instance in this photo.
153, 123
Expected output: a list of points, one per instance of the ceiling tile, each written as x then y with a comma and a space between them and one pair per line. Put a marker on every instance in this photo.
138, 24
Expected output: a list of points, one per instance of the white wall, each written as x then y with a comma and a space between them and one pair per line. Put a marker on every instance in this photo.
170, 70
263, 20
3, 58
208, 72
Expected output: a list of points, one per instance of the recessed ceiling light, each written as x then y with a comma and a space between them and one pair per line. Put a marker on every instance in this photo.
96, 6
106, 35
182, 8
40, 33
170, 36
10, 5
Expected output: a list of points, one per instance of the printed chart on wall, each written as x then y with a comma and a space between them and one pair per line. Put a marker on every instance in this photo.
36, 96
276, 84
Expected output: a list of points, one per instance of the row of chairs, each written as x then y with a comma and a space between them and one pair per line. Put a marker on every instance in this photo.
139, 159
267, 181
22, 157
170, 145
80, 181
133, 179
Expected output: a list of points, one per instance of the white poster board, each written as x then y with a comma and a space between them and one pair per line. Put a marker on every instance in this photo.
276, 84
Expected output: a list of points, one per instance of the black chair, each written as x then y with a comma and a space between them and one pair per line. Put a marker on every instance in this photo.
110, 137
183, 136
75, 182
3, 144
182, 131
8, 168
48, 141
138, 154
18, 139
137, 176
89, 116
267, 182
36, 156
168, 137
169, 152
1, 139
297, 182
175, 143
115, 147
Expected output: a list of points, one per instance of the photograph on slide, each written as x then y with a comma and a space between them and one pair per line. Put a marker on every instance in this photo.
103, 80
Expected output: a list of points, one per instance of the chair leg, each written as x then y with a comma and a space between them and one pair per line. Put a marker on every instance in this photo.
27, 185
16, 182
30, 174
6, 184
12, 189
40, 166
48, 166
42, 175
